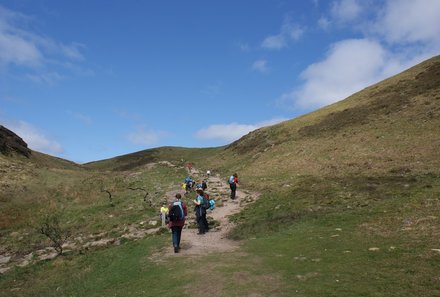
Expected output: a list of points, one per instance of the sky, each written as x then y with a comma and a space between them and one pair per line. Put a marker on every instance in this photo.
87, 80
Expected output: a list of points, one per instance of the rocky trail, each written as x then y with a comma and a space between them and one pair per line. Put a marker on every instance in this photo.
215, 240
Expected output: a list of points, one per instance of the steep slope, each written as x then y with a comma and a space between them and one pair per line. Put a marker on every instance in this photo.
390, 127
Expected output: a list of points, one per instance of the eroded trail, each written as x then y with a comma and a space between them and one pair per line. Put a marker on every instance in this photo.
215, 240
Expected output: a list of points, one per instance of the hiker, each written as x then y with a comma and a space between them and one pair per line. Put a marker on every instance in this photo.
200, 211
177, 212
233, 181
164, 213
204, 185
208, 173
188, 184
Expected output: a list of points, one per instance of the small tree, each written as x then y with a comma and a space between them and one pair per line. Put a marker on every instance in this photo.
51, 227
110, 197
146, 200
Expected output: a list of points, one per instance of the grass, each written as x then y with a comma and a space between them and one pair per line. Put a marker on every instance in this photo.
322, 245
124, 270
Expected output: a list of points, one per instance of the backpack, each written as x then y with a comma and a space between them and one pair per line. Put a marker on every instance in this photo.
231, 180
211, 204
205, 203
176, 212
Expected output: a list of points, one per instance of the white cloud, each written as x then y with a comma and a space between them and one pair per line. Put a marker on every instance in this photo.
289, 32
345, 10
233, 131
350, 65
402, 34
25, 48
145, 137
35, 139
260, 65
409, 21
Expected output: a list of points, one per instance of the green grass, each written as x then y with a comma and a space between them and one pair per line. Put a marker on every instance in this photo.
124, 270
319, 240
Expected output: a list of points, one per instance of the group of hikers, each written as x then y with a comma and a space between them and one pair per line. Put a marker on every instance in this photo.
174, 214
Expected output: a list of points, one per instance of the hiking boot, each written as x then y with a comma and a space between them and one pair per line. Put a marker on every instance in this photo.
176, 249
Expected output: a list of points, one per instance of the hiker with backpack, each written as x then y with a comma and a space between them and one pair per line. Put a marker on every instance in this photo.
202, 204
177, 212
233, 181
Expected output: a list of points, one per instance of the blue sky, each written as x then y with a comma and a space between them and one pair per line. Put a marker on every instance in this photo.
90, 80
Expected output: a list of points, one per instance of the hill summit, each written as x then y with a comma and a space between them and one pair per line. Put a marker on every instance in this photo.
11, 143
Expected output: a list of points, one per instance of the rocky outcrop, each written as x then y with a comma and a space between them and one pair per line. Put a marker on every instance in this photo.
11, 143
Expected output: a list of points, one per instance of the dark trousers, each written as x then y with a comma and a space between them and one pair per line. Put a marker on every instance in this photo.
201, 220
176, 234
233, 190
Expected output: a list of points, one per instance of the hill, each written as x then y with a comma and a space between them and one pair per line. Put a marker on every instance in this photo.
348, 206
390, 127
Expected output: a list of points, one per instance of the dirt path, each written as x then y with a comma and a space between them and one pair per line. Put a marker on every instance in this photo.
215, 240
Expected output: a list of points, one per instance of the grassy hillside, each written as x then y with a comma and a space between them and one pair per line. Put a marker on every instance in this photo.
177, 155
349, 206
389, 128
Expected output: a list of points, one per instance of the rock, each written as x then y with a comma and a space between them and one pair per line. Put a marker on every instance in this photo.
374, 249
4, 269
50, 256
436, 250
154, 223
4, 259
23, 263
11, 143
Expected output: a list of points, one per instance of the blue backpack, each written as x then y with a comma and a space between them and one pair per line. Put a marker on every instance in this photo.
231, 180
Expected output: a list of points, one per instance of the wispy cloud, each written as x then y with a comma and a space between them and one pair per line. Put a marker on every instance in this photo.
324, 23
289, 32
146, 137
233, 131
36, 139
38, 54
260, 66
346, 10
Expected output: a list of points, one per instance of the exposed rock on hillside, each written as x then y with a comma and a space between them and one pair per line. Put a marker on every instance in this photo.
12, 143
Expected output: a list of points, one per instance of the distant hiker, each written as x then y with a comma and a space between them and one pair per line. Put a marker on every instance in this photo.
164, 213
233, 181
208, 173
190, 166
189, 183
177, 212
204, 185
200, 212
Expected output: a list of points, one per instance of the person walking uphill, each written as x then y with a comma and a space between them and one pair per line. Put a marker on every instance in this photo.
233, 181
177, 212
200, 211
